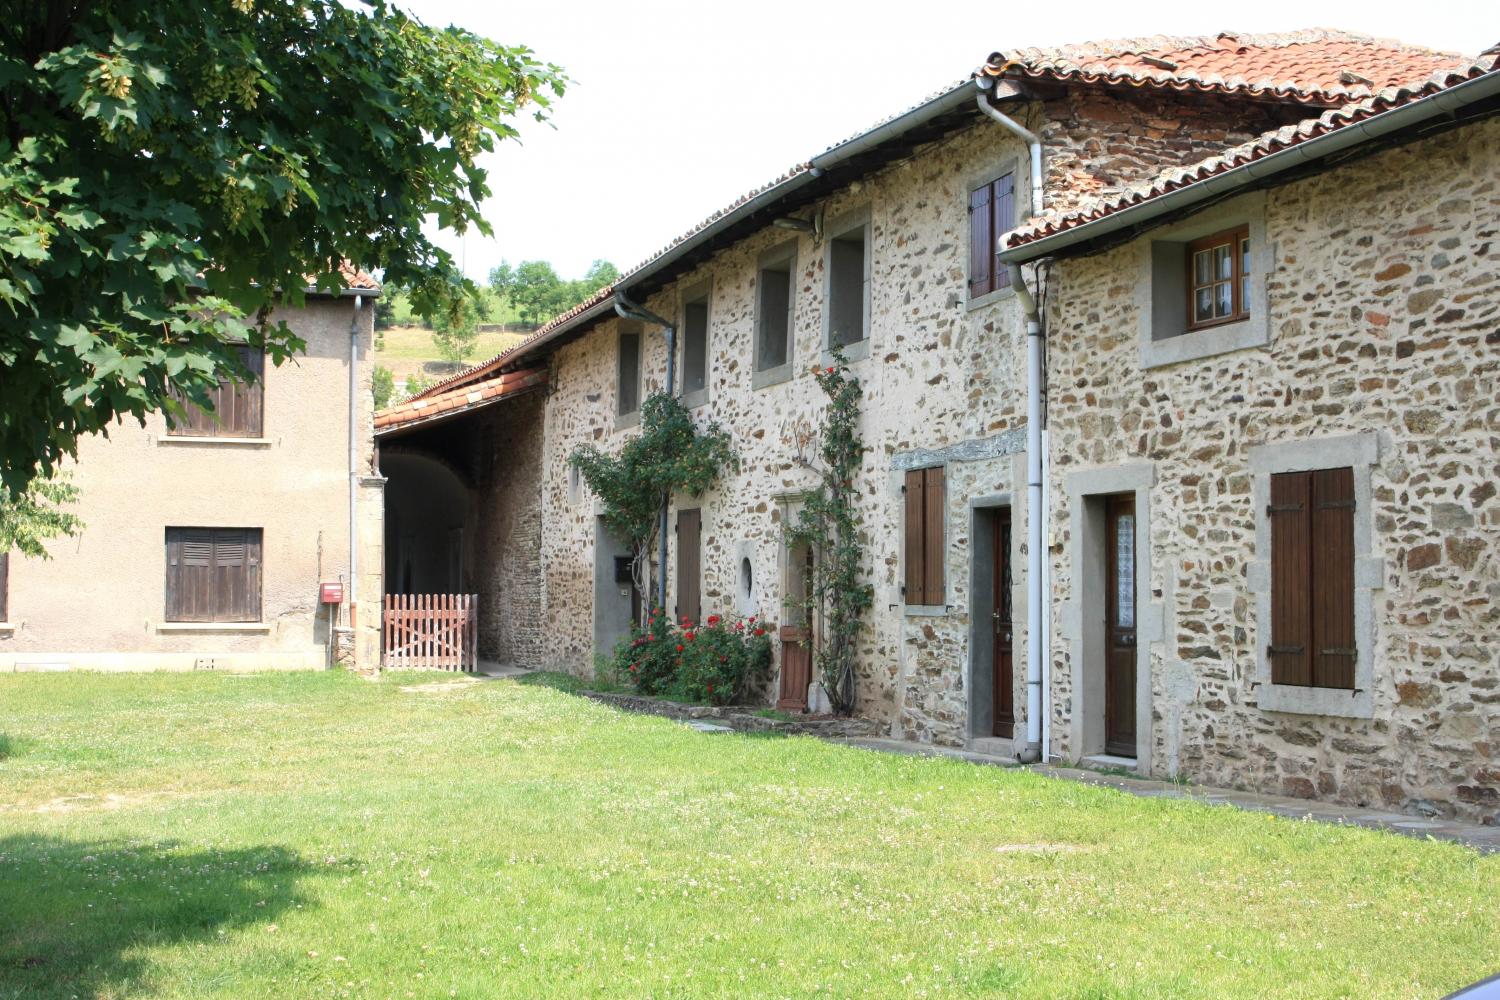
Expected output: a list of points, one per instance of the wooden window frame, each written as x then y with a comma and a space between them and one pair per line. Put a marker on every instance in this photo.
1239, 310
986, 274
925, 538
201, 423
219, 610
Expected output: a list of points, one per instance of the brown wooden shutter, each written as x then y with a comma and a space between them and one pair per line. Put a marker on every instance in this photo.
1332, 519
915, 588
1004, 204
981, 243
236, 575
190, 578
238, 408
4, 586
689, 564
932, 526
1290, 646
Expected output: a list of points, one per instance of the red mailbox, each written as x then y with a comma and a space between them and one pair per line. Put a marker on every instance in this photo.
331, 593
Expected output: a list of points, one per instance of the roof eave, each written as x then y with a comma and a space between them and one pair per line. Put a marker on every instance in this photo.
1259, 171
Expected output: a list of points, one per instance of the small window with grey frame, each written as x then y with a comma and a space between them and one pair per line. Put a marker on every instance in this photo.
774, 305
695, 343
849, 283
628, 394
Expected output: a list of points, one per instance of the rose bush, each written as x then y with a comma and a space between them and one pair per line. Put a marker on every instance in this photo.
718, 661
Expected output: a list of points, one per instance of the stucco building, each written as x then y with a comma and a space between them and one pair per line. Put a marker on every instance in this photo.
982, 631
205, 544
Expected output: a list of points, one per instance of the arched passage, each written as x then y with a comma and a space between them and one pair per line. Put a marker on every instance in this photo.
429, 517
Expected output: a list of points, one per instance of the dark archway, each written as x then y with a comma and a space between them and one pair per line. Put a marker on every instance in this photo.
429, 525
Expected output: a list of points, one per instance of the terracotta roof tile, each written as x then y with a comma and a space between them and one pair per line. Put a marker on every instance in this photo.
1313, 66
1261, 146
423, 408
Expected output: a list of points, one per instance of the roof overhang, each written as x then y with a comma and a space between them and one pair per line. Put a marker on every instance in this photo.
1127, 222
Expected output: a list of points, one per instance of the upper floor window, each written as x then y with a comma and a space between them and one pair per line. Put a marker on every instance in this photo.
238, 407
1219, 278
628, 387
774, 305
848, 294
213, 574
695, 347
992, 209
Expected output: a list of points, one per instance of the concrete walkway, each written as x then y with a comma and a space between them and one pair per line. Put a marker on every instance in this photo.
1485, 839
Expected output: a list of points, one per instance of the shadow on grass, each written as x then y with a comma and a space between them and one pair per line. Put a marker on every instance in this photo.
75, 916
7, 747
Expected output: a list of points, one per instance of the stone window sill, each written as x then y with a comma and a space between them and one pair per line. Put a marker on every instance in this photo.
990, 298
230, 442
857, 351
6, 628
771, 376
627, 420
925, 610
1294, 699
1193, 345
213, 626
696, 398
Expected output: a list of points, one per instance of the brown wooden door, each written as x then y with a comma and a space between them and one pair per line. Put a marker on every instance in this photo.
1119, 631
689, 565
1004, 665
796, 633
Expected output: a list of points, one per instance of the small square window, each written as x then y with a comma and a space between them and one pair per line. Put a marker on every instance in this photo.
1219, 278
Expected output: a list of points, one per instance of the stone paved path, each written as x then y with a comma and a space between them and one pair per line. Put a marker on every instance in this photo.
1482, 838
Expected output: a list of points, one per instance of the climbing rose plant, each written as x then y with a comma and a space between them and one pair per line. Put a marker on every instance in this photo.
838, 592
719, 660
669, 455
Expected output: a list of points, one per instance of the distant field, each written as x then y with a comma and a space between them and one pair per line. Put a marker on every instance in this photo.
409, 350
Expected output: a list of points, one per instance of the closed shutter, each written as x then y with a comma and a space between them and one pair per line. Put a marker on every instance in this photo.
981, 243
213, 575
4, 586
932, 523
1333, 578
1312, 578
238, 408
689, 564
1004, 204
915, 589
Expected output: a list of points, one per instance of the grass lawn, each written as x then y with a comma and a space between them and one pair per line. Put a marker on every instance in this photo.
291, 835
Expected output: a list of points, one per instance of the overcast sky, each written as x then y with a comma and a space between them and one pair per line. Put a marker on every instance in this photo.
679, 107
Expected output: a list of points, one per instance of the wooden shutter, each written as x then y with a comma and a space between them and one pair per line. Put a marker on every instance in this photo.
932, 529
1332, 517
981, 243
213, 574
238, 408
190, 560
1291, 629
689, 564
1003, 201
915, 588
4, 586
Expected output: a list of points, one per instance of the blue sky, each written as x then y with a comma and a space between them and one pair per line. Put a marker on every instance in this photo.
679, 107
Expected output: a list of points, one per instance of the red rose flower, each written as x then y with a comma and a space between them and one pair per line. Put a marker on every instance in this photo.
760, 631
713, 619
679, 647
690, 636
710, 689
829, 370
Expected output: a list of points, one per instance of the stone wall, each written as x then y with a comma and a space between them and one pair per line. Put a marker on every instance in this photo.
508, 550
1383, 299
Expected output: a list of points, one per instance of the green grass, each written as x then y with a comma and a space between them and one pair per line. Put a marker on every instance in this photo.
409, 350
319, 835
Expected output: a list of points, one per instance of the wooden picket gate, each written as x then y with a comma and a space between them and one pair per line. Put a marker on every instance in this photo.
432, 631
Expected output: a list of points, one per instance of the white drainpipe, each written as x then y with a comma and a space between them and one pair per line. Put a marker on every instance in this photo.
359, 301
1038, 637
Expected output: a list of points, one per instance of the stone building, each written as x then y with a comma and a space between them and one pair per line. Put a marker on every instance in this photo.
884, 245
205, 544
1272, 381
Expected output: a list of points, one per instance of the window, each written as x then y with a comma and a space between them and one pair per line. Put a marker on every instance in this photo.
1312, 578
924, 537
695, 348
991, 216
1219, 278
628, 394
848, 309
237, 406
773, 312
213, 574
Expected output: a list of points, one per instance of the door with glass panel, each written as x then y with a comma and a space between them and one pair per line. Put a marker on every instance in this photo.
1119, 628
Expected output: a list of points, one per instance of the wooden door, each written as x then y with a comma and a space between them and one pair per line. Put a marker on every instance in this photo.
1119, 628
689, 565
796, 632
1001, 614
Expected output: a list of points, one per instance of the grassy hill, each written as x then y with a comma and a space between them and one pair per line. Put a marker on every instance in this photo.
409, 351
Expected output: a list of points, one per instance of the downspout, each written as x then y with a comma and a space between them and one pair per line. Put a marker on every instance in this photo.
1035, 537
630, 310
359, 301
1038, 645
1032, 140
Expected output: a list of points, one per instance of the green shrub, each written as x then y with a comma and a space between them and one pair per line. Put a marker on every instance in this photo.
721, 660
647, 657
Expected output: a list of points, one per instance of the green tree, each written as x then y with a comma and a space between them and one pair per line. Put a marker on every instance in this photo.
599, 274
170, 173
538, 294
455, 330
29, 517
383, 382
